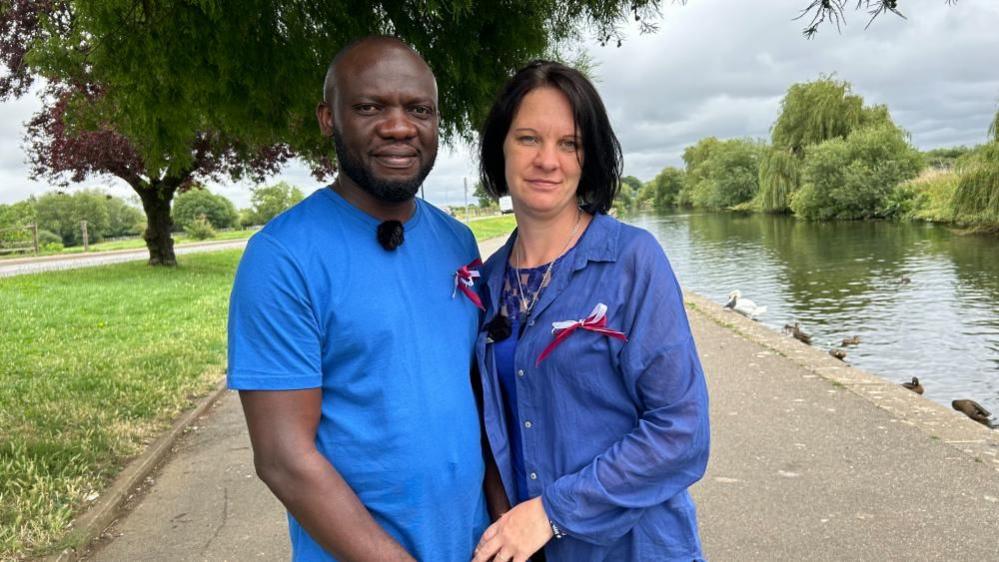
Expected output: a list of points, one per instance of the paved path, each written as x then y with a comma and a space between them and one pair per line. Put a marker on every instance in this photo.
811, 460
21, 266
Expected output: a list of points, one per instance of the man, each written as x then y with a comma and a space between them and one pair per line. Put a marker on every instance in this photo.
351, 350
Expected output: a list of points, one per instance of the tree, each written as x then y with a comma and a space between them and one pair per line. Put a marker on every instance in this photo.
665, 188
811, 113
819, 12
480, 193
199, 202
721, 174
164, 94
122, 218
269, 202
976, 198
627, 194
854, 178
63, 214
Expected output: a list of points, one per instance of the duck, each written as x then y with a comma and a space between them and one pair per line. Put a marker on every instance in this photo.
838, 354
799, 334
914, 386
745, 307
975, 411
852, 340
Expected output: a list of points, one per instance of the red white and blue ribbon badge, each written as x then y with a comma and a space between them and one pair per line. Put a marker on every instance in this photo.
595, 322
464, 281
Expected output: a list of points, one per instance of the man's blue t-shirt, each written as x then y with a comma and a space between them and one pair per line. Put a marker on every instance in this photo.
318, 303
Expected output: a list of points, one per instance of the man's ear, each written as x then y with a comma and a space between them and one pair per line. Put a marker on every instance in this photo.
324, 115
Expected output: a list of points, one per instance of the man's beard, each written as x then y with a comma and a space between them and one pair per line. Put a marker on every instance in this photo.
383, 190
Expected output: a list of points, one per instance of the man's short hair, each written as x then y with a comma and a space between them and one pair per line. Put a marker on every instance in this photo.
329, 83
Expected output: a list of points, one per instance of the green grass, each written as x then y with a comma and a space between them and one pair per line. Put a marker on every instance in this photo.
492, 227
932, 193
135, 243
95, 363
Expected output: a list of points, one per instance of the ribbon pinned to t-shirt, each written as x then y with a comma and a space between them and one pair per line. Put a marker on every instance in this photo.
464, 281
595, 322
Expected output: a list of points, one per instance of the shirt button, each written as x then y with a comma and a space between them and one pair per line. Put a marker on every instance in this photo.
534, 476
530, 322
528, 424
520, 373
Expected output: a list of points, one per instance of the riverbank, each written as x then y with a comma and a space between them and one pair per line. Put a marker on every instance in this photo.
811, 459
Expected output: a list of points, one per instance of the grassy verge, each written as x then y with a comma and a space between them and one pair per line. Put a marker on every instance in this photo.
179, 239
95, 363
492, 227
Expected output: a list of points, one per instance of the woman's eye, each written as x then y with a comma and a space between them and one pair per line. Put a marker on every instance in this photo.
570, 145
528, 139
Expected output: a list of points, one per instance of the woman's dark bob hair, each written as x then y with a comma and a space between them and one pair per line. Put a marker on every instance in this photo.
601, 152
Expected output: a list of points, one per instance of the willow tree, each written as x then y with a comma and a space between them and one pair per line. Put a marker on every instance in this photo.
163, 94
976, 197
810, 113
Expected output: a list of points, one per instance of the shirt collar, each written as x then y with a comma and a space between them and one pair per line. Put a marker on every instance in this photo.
599, 243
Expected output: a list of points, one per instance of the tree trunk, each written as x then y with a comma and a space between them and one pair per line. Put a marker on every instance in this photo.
159, 224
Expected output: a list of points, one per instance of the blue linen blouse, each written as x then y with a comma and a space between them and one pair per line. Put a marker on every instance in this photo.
613, 433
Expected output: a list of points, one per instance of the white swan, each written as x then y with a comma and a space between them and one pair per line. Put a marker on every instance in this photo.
743, 306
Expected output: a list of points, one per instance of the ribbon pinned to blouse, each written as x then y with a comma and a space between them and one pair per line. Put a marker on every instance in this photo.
595, 322
464, 280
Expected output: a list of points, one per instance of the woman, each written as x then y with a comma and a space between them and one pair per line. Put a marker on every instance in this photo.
594, 403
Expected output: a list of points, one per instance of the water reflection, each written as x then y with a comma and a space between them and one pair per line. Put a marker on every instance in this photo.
924, 301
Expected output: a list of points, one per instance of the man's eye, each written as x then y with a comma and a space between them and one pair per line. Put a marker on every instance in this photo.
366, 108
423, 111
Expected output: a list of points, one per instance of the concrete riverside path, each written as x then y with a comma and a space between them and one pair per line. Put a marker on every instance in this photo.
21, 266
811, 460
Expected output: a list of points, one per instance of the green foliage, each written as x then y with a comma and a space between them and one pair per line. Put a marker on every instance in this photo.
485, 200
46, 237
664, 189
200, 228
268, 202
252, 70
945, 158
198, 202
123, 219
812, 112
976, 198
856, 178
627, 194
994, 128
780, 175
63, 214
930, 194
721, 174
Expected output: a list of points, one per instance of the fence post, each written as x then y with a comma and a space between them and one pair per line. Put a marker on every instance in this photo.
34, 237
86, 240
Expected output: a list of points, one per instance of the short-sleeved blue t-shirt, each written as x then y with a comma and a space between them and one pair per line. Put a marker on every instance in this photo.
318, 303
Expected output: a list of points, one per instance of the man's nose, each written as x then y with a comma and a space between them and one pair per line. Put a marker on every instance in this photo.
397, 125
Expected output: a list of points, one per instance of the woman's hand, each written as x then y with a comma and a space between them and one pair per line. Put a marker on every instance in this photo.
517, 535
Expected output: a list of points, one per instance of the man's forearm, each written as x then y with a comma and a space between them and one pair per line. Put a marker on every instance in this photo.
326, 506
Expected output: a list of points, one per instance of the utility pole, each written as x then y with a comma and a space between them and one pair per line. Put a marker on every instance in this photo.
86, 241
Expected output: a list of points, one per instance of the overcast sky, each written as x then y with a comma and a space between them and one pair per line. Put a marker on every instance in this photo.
719, 68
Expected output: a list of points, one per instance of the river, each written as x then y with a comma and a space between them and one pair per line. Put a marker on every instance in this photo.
923, 299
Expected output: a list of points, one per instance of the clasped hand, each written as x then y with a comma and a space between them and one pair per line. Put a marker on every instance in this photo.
517, 535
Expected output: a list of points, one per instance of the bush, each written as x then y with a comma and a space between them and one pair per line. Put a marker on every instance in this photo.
217, 210
51, 247
200, 229
664, 189
976, 197
930, 195
46, 237
724, 173
855, 178
270, 201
